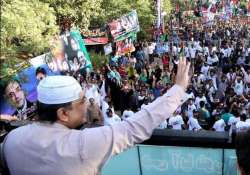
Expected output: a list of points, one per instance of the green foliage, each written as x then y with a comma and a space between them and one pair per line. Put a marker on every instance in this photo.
243, 5
78, 11
167, 7
98, 59
10, 67
26, 27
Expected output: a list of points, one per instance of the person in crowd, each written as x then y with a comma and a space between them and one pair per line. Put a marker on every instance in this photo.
204, 114
190, 108
205, 68
201, 97
92, 91
242, 125
246, 75
94, 113
111, 118
176, 122
213, 59
127, 113
219, 125
227, 115
231, 76
238, 86
193, 124
151, 49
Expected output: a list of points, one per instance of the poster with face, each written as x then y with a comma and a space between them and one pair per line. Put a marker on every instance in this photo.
125, 46
68, 53
19, 95
56, 60
124, 25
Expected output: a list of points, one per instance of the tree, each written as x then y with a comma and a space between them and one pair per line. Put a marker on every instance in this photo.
78, 12
167, 7
26, 27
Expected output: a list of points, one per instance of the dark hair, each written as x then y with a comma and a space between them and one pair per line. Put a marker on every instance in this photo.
9, 82
242, 145
243, 117
41, 70
202, 104
227, 110
48, 112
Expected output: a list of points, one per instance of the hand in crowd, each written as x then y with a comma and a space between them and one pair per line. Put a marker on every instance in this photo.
8, 117
182, 77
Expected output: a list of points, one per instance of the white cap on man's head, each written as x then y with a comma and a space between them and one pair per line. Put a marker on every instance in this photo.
58, 90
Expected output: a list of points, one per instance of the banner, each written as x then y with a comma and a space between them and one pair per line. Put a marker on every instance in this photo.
208, 18
125, 46
209, 13
96, 41
24, 83
68, 53
124, 25
39, 60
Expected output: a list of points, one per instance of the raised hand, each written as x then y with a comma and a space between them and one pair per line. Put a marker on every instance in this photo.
182, 77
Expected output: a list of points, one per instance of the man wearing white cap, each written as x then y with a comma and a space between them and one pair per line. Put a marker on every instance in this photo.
53, 146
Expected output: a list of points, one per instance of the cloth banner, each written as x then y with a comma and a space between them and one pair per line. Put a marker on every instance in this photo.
121, 27
28, 83
125, 46
68, 53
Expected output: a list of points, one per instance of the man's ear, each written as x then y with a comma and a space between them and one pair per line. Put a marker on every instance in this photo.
62, 115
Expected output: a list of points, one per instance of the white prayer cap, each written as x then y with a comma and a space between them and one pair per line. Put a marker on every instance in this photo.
58, 90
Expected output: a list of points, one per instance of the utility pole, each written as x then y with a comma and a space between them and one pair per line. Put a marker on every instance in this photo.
158, 6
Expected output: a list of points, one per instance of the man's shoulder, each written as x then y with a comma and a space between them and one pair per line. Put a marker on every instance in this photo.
19, 132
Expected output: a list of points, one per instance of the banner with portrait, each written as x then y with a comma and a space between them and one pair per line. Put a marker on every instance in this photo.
68, 53
18, 94
126, 45
124, 25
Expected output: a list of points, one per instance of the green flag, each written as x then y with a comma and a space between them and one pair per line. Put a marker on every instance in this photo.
76, 35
